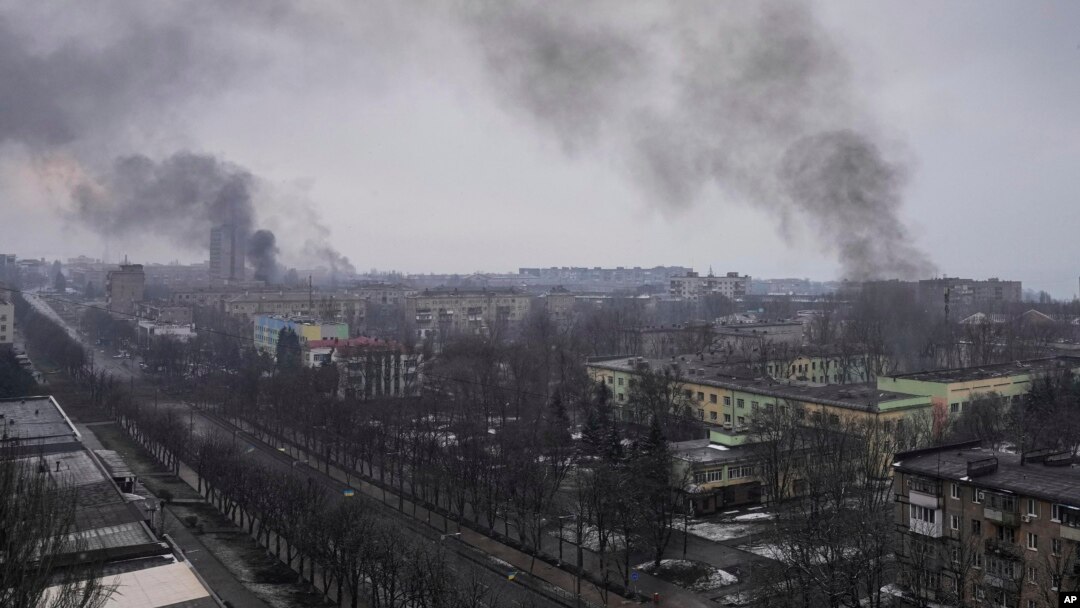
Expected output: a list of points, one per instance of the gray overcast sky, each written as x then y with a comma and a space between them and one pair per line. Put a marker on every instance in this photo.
408, 133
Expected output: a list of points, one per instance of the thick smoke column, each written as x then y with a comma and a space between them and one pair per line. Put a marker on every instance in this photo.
262, 251
180, 198
751, 99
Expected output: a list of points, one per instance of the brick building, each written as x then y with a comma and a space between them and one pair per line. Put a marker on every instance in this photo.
979, 527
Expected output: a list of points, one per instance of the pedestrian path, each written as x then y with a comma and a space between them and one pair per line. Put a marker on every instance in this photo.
209, 567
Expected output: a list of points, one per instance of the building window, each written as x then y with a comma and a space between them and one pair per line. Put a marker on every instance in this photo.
712, 398
753, 405
977, 560
956, 491
954, 522
700, 396
727, 418
620, 380
1032, 541
727, 400
714, 475
976, 495
1033, 507
955, 552
622, 397
610, 380
1055, 546
701, 414
740, 403
923, 514
1032, 575
712, 416
976, 527
740, 472
955, 408
741, 420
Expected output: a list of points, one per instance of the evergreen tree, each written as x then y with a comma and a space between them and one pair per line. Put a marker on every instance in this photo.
288, 349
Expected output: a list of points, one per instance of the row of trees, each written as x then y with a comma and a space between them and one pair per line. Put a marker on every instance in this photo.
347, 547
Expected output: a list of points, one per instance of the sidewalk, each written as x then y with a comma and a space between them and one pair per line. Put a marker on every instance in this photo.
224, 584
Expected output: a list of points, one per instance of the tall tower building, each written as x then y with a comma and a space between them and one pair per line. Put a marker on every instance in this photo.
227, 251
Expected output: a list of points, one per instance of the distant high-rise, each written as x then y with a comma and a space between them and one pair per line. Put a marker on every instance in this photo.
226, 253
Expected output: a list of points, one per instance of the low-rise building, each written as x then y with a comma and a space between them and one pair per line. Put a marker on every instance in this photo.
173, 315
345, 306
114, 528
148, 331
367, 367
950, 390
978, 527
268, 328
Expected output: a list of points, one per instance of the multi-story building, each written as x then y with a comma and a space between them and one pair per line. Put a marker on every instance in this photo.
7, 322
124, 287
950, 390
112, 527
692, 286
177, 275
268, 327
345, 306
228, 247
964, 293
978, 527
437, 312
367, 367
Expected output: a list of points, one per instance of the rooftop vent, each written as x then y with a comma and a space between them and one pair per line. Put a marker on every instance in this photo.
982, 466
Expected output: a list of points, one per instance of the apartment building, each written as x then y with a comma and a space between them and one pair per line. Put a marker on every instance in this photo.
124, 288
442, 313
693, 286
7, 322
980, 527
345, 306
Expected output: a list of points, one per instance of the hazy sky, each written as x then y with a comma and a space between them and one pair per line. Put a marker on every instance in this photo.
428, 137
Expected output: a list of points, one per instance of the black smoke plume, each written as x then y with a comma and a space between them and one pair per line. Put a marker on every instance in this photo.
262, 252
751, 101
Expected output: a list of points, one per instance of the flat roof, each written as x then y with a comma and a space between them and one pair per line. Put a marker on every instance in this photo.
1060, 484
998, 370
703, 451
865, 396
36, 420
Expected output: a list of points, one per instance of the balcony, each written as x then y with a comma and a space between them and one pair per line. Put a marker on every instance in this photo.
1004, 518
1070, 532
1004, 548
930, 501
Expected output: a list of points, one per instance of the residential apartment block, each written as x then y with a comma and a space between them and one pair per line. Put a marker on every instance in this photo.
438, 312
980, 527
7, 322
124, 288
693, 286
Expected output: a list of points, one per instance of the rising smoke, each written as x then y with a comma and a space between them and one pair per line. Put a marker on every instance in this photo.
63, 101
751, 99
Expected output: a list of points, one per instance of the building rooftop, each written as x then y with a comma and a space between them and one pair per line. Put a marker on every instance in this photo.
703, 451
1060, 484
864, 397
110, 528
1000, 370
34, 421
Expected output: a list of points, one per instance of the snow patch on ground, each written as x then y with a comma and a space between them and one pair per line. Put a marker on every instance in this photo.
591, 540
782, 554
719, 531
754, 516
694, 576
